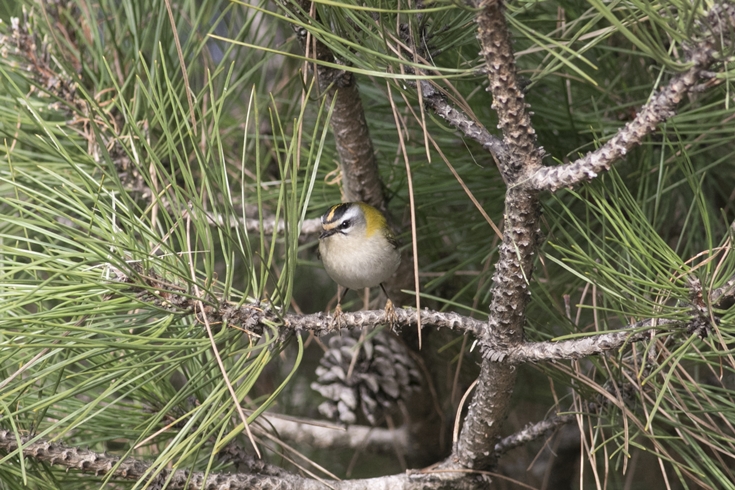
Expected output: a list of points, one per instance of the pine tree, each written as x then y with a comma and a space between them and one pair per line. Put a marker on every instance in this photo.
559, 173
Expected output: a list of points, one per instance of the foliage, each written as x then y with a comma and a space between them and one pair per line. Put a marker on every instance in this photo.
122, 174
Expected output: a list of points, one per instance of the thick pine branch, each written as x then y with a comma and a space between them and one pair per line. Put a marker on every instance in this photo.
660, 108
514, 120
101, 464
513, 270
360, 176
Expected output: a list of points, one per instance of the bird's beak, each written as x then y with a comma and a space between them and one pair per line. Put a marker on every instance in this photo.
328, 233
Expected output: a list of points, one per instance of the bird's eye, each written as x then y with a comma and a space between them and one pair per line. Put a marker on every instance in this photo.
344, 225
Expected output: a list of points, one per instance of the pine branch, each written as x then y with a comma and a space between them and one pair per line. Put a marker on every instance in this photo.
699, 322
533, 432
661, 107
360, 175
514, 120
314, 434
576, 348
436, 101
513, 270
495, 347
539, 429
100, 464
254, 317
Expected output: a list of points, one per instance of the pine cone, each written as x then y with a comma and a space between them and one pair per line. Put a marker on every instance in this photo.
383, 373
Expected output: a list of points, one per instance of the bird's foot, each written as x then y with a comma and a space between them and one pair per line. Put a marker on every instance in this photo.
337, 318
390, 314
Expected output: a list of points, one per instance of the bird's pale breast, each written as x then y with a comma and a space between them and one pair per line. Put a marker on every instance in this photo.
357, 264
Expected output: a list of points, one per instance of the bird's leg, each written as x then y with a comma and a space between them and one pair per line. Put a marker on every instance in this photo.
390, 311
337, 319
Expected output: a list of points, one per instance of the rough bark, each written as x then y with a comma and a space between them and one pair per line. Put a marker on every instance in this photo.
533, 432
660, 108
360, 175
510, 295
514, 120
101, 464
715, 31
513, 270
500, 338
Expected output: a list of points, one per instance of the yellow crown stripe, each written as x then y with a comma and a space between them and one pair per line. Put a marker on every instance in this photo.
333, 211
330, 214
374, 218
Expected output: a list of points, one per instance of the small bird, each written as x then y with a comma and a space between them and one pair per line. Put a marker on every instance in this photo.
357, 249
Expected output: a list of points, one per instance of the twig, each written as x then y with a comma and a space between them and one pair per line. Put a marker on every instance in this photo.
436, 101
533, 432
